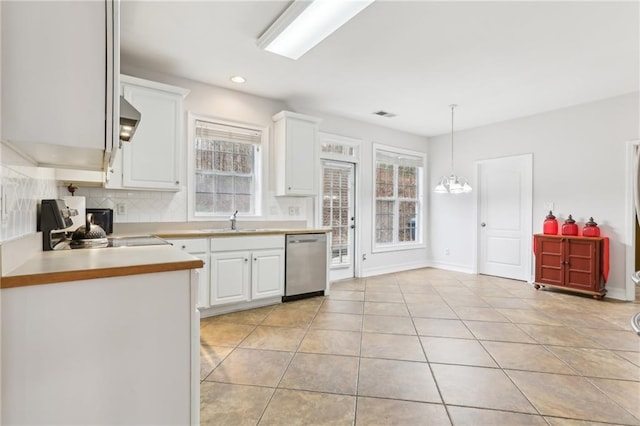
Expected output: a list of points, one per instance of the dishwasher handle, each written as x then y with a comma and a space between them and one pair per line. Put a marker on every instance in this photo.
306, 238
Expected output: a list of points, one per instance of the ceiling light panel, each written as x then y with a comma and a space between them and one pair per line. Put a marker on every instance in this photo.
305, 24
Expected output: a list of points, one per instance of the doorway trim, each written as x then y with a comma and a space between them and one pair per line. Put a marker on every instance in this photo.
630, 234
528, 221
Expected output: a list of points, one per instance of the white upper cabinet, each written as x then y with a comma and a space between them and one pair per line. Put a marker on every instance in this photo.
295, 154
59, 70
151, 159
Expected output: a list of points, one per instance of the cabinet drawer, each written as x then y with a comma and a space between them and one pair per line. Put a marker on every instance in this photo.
190, 245
256, 242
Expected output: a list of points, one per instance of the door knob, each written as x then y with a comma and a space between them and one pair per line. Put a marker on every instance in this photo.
483, 224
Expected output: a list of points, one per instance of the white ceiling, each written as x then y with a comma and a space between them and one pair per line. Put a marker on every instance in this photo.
497, 60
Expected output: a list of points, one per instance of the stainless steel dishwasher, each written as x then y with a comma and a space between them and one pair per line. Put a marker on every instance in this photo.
306, 266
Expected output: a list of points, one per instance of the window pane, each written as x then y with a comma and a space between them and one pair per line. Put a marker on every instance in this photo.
407, 221
384, 180
243, 185
243, 203
407, 182
225, 173
204, 202
223, 203
384, 221
337, 148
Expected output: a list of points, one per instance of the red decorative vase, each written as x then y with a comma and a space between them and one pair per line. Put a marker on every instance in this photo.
591, 229
569, 227
550, 226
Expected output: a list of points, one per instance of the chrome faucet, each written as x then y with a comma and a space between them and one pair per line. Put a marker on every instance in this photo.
233, 221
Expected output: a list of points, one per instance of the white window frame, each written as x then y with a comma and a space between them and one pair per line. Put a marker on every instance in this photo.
260, 171
420, 220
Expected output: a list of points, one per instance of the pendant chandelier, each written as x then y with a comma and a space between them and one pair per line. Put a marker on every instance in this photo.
452, 184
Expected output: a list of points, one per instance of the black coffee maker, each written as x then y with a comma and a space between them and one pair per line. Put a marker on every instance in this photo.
54, 218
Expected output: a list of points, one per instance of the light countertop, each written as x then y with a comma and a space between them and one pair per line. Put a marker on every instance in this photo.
221, 233
72, 265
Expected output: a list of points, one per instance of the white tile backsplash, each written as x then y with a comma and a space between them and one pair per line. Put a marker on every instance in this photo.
22, 188
141, 206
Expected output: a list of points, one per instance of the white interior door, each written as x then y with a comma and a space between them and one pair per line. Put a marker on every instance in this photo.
504, 212
338, 213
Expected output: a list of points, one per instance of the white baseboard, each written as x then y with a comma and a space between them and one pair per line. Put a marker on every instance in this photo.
616, 293
242, 306
453, 267
394, 268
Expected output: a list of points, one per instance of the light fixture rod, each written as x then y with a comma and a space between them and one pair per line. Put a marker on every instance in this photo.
452, 106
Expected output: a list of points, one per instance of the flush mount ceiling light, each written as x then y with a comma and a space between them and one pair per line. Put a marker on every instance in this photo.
452, 184
238, 79
306, 23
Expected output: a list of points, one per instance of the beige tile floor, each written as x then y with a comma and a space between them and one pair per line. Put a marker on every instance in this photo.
424, 347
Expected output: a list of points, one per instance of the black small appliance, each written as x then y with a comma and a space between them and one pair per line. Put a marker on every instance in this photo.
104, 218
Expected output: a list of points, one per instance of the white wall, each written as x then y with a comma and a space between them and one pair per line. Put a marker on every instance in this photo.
578, 164
237, 106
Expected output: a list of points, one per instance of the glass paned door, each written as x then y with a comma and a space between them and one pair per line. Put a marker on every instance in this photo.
338, 212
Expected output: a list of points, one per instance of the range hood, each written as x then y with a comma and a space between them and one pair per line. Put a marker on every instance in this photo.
129, 119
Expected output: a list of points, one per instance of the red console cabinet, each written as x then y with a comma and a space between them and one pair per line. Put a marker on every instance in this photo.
571, 263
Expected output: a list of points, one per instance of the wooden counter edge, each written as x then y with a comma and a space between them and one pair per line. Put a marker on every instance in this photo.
89, 274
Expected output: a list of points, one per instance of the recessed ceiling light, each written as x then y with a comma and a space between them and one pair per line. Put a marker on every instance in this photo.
238, 79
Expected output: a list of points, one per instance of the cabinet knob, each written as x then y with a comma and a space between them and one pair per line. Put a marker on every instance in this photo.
246, 260
184, 247
177, 182
255, 259
483, 224
289, 188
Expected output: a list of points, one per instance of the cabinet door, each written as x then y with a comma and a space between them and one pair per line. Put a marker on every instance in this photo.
151, 158
582, 264
54, 77
267, 273
301, 157
230, 277
549, 261
295, 154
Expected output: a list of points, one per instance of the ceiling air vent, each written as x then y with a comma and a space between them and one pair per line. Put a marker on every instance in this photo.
385, 114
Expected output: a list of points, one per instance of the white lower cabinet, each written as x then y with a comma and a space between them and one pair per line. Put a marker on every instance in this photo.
237, 270
246, 268
267, 274
230, 279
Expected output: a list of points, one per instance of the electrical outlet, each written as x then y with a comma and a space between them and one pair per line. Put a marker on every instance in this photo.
447, 252
121, 208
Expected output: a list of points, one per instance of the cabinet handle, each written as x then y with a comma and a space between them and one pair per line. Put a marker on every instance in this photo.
289, 188
255, 259
246, 260
184, 247
177, 182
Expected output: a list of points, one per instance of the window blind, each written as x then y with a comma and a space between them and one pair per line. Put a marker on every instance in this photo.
206, 130
398, 159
